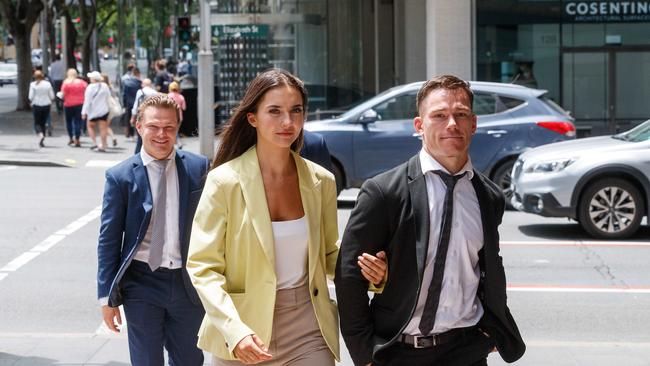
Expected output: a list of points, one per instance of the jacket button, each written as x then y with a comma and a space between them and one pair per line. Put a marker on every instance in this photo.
315, 292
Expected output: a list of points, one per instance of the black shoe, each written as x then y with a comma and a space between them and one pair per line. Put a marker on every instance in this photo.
94, 147
41, 144
114, 142
49, 132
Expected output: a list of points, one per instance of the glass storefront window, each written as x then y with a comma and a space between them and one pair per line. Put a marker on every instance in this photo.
299, 36
524, 54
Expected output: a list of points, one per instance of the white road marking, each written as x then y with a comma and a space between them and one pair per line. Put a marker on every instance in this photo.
579, 289
49, 242
564, 289
101, 163
8, 167
576, 243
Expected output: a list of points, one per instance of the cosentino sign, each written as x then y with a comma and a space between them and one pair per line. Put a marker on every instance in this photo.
607, 11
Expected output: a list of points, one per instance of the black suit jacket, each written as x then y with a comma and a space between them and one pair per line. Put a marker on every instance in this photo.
392, 214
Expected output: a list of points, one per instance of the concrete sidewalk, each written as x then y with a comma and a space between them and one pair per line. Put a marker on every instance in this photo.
19, 144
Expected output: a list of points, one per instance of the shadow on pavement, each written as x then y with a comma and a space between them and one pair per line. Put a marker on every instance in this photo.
572, 231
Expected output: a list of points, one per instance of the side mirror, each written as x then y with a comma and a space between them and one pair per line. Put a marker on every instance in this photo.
369, 116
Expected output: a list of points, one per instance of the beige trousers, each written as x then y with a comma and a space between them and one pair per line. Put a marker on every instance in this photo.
296, 339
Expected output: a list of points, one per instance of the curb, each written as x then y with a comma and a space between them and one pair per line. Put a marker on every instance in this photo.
36, 163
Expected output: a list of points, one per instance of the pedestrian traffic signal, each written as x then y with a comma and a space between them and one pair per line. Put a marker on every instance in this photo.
184, 29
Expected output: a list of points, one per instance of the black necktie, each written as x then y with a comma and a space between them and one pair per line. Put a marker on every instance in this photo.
433, 296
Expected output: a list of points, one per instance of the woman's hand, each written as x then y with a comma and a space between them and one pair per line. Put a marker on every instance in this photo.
373, 268
252, 350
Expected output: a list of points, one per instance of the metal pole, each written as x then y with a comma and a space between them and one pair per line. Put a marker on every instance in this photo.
64, 42
120, 42
206, 83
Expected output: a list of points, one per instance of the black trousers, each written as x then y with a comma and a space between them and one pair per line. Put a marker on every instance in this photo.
470, 349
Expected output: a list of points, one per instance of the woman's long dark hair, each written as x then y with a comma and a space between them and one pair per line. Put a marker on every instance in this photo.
239, 135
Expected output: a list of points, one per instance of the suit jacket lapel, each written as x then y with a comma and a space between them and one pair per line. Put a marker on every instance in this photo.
252, 187
142, 186
420, 204
484, 204
310, 193
183, 197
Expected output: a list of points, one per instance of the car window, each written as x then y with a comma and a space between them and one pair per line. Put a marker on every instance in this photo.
399, 107
510, 103
8, 68
484, 104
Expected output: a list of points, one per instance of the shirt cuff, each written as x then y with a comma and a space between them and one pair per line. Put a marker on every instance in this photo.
103, 301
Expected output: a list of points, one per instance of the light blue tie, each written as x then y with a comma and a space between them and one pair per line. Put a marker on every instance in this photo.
158, 230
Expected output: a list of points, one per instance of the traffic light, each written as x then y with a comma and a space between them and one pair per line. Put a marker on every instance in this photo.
184, 30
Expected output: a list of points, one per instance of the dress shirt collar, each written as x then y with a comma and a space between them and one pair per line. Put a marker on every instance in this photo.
428, 163
146, 158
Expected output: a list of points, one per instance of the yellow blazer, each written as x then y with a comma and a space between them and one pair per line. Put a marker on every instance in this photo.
231, 255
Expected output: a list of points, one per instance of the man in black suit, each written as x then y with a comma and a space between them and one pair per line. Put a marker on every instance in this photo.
444, 299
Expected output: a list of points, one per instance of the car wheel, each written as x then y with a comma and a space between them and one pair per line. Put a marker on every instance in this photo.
502, 177
338, 175
611, 208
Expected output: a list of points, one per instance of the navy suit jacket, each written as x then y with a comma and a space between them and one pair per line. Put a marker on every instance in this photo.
315, 149
126, 213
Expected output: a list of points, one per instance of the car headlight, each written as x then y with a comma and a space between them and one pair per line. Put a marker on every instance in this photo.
549, 166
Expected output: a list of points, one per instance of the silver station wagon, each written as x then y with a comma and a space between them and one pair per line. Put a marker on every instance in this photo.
602, 182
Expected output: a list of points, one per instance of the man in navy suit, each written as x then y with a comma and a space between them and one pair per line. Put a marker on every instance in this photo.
315, 149
149, 202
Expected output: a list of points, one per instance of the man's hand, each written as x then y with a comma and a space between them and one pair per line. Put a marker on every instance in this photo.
373, 268
252, 350
132, 121
84, 116
110, 315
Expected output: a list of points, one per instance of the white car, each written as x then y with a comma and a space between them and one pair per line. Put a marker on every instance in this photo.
601, 182
8, 73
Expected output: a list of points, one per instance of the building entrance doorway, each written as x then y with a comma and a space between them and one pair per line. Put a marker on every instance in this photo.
607, 89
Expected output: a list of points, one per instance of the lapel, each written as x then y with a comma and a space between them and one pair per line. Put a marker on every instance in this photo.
483, 203
252, 187
310, 193
183, 197
142, 185
420, 206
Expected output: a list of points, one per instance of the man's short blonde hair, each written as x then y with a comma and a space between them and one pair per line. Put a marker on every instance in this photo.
159, 101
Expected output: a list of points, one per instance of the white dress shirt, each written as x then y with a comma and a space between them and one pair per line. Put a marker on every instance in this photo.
459, 305
171, 255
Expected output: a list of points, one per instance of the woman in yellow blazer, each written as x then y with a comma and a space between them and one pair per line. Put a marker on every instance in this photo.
265, 236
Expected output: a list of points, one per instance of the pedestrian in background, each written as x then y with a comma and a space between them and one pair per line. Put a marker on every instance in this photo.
162, 78
95, 109
149, 202
444, 302
72, 93
131, 83
57, 74
143, 94
175, 94
109, 121
265, 236
40, 96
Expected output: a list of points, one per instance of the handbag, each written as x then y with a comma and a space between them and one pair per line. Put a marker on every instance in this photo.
114, 107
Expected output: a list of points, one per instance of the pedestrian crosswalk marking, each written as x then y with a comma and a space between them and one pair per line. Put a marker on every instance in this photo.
101, 163
48, 243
